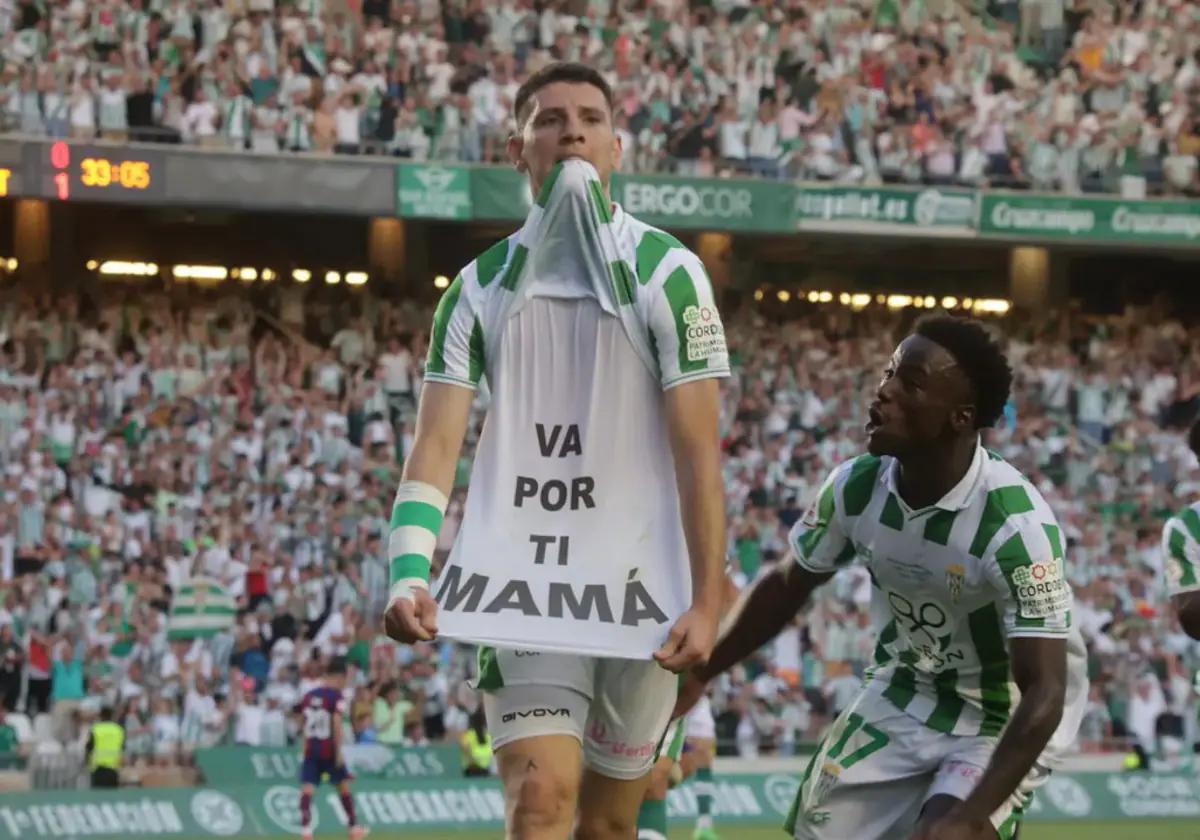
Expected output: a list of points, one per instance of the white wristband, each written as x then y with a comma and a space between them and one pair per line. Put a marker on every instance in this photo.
405, 590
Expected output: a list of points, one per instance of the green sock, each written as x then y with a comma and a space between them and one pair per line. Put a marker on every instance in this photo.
652, 820
704, 797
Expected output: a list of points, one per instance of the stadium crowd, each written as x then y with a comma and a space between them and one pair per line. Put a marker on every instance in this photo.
1071, 95
255, 437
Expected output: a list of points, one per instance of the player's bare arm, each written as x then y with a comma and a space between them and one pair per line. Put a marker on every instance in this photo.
1039, 668
761, 612
442, 418
693, 412
730, 597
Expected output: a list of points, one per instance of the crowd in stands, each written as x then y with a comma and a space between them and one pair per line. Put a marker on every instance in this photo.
1070, 95
256, 438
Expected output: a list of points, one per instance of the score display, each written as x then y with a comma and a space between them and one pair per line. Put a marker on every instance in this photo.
99, 173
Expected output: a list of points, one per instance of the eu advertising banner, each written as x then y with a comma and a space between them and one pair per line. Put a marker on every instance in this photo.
928, 211
243, 765
1079, 219
433, 192
421, 805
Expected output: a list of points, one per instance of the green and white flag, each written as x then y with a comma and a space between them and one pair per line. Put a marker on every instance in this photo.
201, 608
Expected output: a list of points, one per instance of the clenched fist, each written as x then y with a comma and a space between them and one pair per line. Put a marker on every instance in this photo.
412, 621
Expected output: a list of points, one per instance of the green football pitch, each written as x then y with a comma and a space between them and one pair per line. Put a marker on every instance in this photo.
1126, 830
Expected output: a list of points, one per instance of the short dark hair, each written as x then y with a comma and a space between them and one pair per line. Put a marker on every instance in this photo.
1193, 438
571, 72
337, 667
980, 358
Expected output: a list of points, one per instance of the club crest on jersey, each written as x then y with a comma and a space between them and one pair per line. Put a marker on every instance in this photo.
956, 576
825, 783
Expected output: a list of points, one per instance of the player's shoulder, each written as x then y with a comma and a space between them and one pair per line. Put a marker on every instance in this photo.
1002, 488
1007, 503
847, 489
1181, 532
653, 254
488, 270
1186, 520
859, 475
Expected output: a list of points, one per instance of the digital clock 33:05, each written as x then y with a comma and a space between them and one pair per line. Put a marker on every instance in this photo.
91, 169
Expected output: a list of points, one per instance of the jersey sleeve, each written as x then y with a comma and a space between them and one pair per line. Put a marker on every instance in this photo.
1028, 568
818, 539
1181, 552
456, 340
685, 326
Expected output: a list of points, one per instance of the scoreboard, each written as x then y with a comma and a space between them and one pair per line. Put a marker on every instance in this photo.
64, 171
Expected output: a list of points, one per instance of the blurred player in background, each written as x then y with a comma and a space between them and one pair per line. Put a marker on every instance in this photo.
322, 711
688, 749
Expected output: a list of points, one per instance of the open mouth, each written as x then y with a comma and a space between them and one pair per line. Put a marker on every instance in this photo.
874, 418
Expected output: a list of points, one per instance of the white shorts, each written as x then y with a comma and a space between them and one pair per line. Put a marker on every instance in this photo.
618, 709
876, 769
700, 723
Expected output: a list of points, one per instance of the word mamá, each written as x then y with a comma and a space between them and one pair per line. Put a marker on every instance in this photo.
557, 599
589, 602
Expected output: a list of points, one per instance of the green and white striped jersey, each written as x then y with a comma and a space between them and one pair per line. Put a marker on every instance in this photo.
952, 583
571, 539
1181, 551
663, 283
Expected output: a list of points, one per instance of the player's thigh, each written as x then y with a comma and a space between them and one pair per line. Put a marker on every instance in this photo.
311, 772
961, 770
868, 777
338, 774
631, 708
517, 713
878, 811
537, 707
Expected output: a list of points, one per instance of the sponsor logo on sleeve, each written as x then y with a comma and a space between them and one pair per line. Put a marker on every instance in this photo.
1042, 589
704, 337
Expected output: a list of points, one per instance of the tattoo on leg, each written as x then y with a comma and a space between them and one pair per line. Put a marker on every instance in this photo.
532, 765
